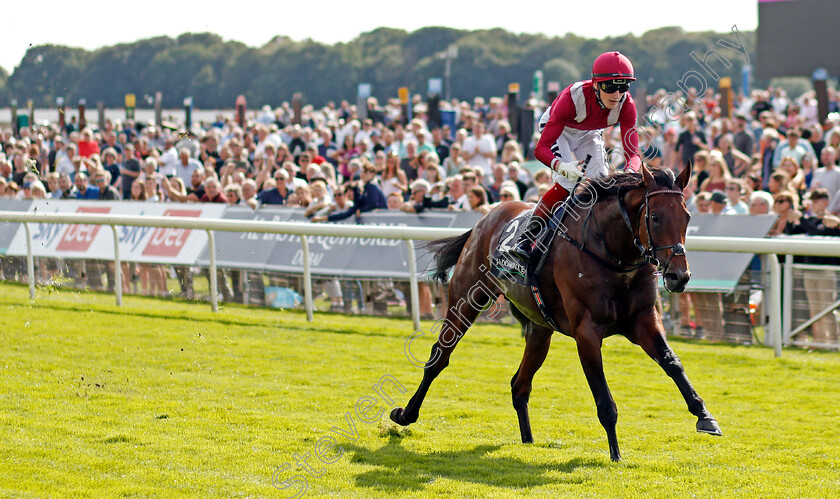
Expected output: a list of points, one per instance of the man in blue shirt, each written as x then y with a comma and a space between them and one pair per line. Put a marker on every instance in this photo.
368, 198
83, 190
278, 194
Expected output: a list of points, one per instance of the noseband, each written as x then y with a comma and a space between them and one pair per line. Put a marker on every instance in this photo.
649, 252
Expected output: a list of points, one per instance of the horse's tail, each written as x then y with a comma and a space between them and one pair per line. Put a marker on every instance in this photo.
446, 253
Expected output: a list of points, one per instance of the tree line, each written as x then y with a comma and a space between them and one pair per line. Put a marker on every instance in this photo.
214, 72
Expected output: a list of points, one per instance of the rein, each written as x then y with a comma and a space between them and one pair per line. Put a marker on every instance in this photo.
648, 253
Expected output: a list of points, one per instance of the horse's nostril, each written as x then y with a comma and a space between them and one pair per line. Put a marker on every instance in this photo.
671, 276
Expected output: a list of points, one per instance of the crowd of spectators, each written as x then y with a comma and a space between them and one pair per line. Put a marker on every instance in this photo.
336, 162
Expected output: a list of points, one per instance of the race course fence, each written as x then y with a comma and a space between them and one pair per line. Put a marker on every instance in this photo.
779, 329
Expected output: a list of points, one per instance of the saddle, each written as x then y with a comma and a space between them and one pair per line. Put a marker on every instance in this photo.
508, 267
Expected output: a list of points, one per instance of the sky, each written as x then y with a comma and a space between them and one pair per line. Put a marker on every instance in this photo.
97, 23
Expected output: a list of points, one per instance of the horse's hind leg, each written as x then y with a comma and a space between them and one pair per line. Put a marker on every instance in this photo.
650, 335
537, 342
466, 303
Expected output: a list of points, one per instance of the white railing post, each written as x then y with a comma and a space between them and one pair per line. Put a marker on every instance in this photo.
30, 261
787, 300
412, 284
775, 305
117, 267
214, 285
307, 280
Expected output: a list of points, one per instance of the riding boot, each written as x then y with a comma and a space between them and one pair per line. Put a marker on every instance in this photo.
527, 241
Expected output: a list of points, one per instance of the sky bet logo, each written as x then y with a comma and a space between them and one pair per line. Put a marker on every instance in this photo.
79, 237
168, 242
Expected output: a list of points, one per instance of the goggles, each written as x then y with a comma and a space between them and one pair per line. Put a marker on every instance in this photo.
612, 86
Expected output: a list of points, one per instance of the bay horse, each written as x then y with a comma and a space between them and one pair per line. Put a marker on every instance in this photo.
600, 280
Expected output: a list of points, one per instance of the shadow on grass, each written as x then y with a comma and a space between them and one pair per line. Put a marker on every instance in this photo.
399, 469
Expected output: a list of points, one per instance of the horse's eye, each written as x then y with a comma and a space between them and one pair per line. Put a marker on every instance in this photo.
654, 218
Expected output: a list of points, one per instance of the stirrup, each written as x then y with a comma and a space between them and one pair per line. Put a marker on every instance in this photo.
524, 246
523, 250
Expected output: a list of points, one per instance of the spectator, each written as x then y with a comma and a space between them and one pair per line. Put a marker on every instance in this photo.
541, 177
514, 172
691, 140
129, 170
500, 173
233, 193
736, 161
410, 163
720, 204
213, 192
700, 168
477, 198
152, 190
793, 146
796, 181
37, 190
480, 148
394, 180
742, 139
395, 201
342, 201
703, 202
83, 190
278, 194
785, 206
820, 285
343, 156
718, 174
420, 199
52, 184
249, 193
66, 189
761, 203
827, 177
734, 193
185, 166
301, 197
109, 164
87, 145
441, 145
366, 197
64, 162
174, 189
321, 199
432, 171
509, 193
107, 192
455, 161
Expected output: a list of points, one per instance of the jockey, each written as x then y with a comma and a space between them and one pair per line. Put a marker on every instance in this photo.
572, 128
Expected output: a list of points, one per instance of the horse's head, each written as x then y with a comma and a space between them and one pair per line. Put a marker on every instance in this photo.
663, 220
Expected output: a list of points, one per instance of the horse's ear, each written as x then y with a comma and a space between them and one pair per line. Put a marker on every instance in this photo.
648, 178
684, 177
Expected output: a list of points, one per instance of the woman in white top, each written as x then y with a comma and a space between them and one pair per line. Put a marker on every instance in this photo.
393, 178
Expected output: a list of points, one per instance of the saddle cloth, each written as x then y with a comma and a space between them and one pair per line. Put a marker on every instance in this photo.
504, 265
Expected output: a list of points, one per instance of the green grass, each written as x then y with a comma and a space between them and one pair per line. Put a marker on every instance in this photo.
160, 398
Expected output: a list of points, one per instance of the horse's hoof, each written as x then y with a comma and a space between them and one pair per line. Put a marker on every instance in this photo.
709, 426
397, 416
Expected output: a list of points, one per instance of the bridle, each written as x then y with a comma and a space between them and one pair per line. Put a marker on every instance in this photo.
649, 252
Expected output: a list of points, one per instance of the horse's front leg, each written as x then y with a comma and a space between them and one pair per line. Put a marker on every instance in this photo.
649, 333
589, 337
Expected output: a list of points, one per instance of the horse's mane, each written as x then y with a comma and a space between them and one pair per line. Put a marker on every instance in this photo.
611, 186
